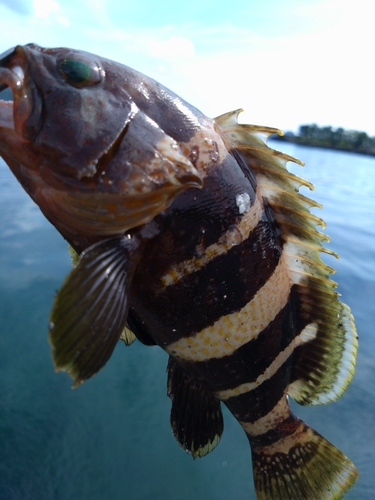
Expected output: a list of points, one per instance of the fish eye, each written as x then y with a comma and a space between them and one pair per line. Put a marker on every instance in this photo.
79, 73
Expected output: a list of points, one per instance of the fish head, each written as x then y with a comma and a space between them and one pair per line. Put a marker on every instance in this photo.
88, 155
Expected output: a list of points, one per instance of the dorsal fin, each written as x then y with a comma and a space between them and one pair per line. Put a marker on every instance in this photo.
324, 364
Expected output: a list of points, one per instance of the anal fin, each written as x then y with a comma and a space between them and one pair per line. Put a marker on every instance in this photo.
196, 417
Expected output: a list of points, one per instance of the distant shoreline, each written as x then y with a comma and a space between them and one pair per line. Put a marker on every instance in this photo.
295, 140
349, 141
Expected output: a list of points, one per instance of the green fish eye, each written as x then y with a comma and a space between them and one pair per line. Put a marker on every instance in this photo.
80, 73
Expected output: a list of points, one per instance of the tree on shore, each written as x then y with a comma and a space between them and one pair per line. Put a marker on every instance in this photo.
328, 137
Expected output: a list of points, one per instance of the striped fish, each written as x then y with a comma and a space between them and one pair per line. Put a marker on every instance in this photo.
192, 234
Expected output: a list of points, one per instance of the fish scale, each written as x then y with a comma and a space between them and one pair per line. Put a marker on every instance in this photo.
190, 234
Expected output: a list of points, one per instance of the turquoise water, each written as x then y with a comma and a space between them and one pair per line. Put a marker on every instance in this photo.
110, 439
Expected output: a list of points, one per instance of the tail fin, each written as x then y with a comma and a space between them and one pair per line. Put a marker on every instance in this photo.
303, 465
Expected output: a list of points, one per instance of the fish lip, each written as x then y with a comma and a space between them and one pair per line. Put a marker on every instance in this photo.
14, 81
20, 116
4, 58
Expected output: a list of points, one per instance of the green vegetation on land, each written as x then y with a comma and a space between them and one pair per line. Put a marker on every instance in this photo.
327, 137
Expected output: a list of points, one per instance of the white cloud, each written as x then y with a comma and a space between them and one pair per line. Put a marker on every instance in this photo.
49, 11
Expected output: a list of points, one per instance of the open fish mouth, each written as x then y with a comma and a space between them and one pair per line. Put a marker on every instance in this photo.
15, 109
11, 79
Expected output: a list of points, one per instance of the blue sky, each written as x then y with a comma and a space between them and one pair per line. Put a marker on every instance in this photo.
286, 62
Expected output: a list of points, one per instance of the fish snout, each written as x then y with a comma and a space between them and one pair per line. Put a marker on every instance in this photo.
22, 113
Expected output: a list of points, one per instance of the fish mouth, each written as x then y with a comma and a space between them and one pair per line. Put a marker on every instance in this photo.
12, 80
16, 98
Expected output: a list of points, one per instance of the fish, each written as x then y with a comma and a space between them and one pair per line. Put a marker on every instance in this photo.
191, 234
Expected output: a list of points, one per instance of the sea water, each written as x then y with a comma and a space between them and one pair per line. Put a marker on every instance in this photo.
110, 438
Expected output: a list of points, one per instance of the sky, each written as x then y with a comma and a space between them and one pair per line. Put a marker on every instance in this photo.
285, 62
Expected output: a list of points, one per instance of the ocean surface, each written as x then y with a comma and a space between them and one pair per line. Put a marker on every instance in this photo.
110, 438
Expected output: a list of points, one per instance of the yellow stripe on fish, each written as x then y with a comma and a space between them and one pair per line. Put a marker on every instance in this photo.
234, 330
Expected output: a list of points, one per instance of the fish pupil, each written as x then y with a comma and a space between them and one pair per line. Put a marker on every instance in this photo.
79, 73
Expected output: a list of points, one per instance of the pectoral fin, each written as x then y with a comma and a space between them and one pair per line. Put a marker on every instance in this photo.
196, 418
126, 335
89, 311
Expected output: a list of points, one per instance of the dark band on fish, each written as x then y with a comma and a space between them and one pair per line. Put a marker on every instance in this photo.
249, 361
283, 429
252, 405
